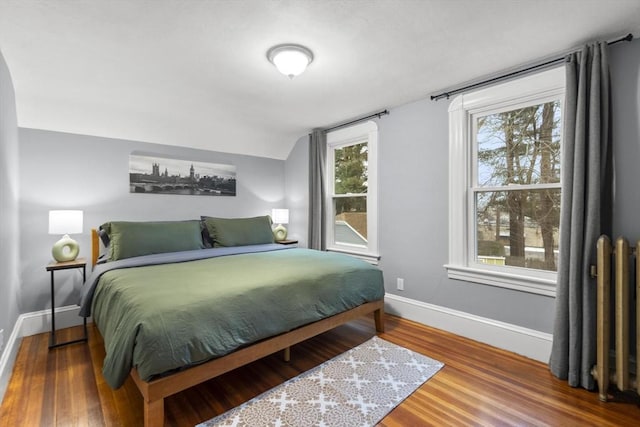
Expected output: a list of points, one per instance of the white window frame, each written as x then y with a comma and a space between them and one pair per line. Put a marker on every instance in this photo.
356, 134
541, 87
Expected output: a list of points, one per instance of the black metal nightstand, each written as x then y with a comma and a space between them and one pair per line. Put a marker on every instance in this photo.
53, 267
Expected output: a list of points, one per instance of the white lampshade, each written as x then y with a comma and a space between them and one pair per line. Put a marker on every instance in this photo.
65, 222
280, 216
290, 59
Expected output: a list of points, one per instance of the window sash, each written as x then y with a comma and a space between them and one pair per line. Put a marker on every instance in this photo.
347, 195
505, 107
517, 187
475, 187
332, 241
473, 249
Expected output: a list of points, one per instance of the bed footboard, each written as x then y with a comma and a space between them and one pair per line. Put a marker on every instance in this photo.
155, 391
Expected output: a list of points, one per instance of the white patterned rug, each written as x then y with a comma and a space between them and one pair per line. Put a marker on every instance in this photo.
356, 388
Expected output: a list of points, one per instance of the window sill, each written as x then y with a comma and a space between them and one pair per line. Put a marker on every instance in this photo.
371, 259
534, 285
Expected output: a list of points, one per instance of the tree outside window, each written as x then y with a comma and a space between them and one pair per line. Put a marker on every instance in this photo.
517, 186
350, 190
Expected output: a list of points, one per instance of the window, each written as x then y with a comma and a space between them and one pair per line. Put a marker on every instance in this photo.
505, 187
352, 191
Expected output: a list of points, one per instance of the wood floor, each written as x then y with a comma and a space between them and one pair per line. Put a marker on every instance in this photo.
479, 385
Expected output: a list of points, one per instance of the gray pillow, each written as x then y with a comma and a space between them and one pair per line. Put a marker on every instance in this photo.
130, 239
225, 232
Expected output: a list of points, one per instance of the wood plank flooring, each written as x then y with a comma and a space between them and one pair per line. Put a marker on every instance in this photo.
479, 385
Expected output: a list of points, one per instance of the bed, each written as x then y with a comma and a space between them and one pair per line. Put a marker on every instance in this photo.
181, 302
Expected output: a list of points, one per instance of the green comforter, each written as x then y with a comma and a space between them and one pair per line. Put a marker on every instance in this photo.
159, 318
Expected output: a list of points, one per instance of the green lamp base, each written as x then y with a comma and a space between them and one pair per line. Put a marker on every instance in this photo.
280, 233
65, 249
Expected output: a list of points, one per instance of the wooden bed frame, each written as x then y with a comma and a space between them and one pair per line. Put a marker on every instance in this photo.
154, 392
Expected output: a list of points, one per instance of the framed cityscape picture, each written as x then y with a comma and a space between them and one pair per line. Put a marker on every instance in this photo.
160, 175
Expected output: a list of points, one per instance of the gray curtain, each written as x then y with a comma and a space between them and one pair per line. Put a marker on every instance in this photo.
586, 211
317, 159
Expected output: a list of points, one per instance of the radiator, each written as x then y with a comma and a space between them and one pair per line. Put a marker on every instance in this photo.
622, 258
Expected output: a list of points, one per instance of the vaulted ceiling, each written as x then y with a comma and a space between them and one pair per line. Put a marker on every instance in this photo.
194, 73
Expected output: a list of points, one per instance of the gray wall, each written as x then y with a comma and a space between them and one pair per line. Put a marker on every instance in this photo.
413, 201
66, 171
9, 224
297, 191
625, 81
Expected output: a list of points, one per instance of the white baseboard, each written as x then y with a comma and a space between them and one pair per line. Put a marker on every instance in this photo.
527, 342
28, 324
38, 322
8, 358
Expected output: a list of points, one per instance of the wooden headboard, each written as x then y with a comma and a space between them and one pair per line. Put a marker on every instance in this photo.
95, 247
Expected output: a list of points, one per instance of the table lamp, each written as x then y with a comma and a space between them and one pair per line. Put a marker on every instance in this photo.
65, 222
280, 216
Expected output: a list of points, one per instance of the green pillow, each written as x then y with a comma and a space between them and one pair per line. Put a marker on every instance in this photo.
225, 232
130, 239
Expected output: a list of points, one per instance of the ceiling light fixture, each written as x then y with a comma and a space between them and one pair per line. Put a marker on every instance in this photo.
290, 59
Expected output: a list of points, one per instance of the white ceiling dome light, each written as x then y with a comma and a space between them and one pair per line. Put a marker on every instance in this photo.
290, 59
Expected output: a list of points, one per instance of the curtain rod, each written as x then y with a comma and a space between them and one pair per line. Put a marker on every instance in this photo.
447, 94
370, 116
